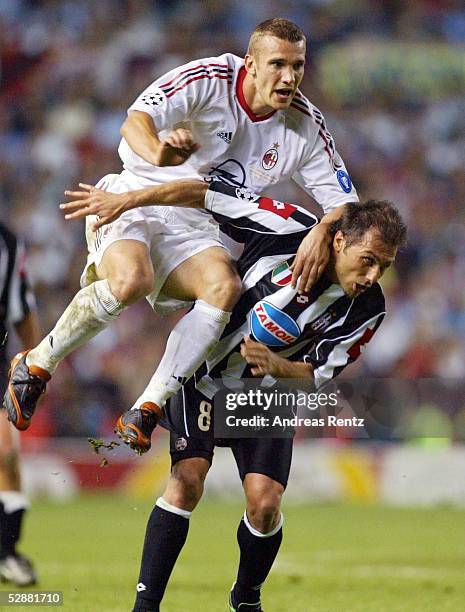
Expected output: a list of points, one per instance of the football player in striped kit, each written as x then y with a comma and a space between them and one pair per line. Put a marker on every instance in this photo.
273, 331
242, 121
18, 309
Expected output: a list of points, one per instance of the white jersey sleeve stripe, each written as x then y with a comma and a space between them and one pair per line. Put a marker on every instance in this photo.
185, 73
198, 72
322, 132
198, 78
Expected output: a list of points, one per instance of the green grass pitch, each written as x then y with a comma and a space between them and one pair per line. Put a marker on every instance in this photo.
342, 558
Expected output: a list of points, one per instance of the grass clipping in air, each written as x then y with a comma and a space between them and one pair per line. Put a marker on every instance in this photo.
98, 444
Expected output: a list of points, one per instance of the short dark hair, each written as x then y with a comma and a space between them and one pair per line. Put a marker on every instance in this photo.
381, 215
278, 27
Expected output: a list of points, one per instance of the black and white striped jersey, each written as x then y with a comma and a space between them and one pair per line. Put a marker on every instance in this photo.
16, 297
325, 328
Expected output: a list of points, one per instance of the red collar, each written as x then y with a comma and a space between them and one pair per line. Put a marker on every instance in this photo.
242, 101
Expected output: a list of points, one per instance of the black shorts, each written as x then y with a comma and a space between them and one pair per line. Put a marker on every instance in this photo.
189, 418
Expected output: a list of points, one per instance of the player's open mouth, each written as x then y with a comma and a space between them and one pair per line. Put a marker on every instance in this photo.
284, 95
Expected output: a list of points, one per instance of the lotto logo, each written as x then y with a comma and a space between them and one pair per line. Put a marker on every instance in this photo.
283, 209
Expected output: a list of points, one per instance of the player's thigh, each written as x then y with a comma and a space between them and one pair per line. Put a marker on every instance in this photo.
205, 275
120, 248
127, 266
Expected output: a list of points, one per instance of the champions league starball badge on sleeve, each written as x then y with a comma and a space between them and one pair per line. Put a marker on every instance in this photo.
344, 181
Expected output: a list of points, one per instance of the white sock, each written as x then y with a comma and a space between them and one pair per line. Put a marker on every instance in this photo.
259, 534
90, 311
161, 503
187, 348
13, 501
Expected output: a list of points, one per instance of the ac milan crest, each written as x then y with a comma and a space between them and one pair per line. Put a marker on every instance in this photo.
270, 159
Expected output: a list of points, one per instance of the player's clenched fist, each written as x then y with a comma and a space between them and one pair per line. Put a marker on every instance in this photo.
176, 148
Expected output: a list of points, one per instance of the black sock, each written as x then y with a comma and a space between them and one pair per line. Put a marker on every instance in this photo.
164, 538
257, 557
10, 530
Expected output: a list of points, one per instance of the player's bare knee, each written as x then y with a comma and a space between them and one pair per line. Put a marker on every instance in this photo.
264, 513
186, 486
189, 495
264, 506
7, 449
223, 293
129, 286
9, 464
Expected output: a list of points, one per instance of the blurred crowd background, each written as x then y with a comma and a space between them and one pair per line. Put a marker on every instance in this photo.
389, 77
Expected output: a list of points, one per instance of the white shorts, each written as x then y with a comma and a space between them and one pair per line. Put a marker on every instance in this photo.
171, 234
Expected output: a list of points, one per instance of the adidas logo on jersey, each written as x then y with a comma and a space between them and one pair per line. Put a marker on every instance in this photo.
226, 136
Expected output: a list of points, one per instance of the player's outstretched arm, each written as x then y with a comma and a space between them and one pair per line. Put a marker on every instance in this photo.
313, 254
264, 361
110, 206
141, 135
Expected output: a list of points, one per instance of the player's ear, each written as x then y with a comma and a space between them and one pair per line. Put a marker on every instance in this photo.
338, 241
249, 63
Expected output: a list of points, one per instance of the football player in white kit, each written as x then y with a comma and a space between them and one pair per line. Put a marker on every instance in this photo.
224, 118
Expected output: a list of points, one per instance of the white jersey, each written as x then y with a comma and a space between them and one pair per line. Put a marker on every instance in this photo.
238, 147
